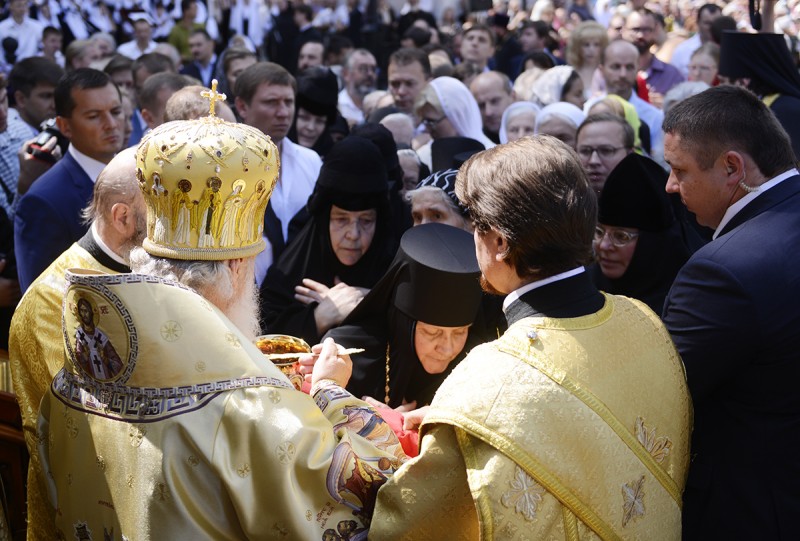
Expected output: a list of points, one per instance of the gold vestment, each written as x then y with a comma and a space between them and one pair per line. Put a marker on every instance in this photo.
561, 429
196, 435
36, 350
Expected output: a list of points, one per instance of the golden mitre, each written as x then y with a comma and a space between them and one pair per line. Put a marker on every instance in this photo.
206, 184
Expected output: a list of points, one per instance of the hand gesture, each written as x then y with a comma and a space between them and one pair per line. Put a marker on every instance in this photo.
334, 303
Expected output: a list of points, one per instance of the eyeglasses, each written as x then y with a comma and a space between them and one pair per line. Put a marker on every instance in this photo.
431, 123
365, 69
617, 237
604, 151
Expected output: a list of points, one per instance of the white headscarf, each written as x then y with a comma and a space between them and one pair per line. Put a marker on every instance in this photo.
563, 110
460, 108
549, 87
513, 110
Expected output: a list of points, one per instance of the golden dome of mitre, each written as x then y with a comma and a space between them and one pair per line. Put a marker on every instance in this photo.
206, 184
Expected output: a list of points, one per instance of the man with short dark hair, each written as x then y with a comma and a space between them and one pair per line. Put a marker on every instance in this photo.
155, 93
409, 72
52, 41
477, 45
33, 82
602, 142
265, 99
143, 67
142, 42
312, 54
732, 316
571, 429
89, 113
204, 61
302, 17
640, 29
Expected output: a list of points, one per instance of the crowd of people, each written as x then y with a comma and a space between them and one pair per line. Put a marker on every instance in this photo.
556, 236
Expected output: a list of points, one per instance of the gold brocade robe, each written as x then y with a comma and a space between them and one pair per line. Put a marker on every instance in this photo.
196, 435
36, 350
561, 429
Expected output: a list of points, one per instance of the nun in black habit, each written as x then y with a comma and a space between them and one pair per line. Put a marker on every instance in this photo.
415, 323
638, 244
341, 252
764, 63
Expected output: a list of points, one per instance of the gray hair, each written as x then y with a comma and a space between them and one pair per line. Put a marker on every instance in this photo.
409, 196
681, 91
210, 279
401, 126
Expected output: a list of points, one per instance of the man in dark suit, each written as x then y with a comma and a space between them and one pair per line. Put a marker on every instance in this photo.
204, 62
732, 313
48, 219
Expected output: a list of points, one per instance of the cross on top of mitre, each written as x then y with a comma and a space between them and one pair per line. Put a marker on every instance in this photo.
213, 97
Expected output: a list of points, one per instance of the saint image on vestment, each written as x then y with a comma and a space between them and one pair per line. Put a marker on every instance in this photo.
94, 351
230, 213
182, 212
162, 211
208, 213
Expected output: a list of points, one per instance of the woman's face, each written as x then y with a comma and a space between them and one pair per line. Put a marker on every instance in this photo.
438, 346
351, 233
560, 128
590, 51
437, 125
702, 68
574, 94
410, 166
614, 260
429, 207
309, 127
520, 125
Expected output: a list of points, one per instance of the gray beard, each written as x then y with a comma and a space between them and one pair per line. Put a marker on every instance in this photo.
243, 310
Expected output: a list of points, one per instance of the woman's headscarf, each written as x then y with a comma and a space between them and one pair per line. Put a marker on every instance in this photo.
634, 196
460, 108
513, 110
353, 177
433, 279
561, 109
317, 93
549, 87
628, 110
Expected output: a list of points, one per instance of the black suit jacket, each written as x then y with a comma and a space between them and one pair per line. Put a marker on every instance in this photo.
193, 70
732, 313
48, 218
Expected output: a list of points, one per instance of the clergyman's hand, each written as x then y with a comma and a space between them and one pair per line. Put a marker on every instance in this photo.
330, 365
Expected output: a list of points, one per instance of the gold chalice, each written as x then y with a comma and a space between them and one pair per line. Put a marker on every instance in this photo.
284, 350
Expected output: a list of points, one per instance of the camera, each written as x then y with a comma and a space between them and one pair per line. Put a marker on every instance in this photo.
49, 130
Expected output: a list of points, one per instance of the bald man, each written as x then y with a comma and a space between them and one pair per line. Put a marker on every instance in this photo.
494, 93
118, 223
619, 65
188, 104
